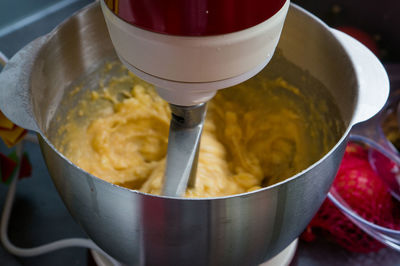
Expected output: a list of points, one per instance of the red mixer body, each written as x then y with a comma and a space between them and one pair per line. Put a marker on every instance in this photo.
194, 17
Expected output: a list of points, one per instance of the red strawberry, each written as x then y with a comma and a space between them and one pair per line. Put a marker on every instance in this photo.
362, 37
363, 190
355, 150
366, 193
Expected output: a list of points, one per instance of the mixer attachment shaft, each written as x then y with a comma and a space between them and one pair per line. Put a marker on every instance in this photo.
183, 148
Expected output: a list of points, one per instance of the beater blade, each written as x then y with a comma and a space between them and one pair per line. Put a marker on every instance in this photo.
183, 148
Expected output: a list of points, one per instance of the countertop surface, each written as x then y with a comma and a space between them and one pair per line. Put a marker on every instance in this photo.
39, 215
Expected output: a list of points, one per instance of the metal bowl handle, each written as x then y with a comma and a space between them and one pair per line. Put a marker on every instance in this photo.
15, 95
372, 78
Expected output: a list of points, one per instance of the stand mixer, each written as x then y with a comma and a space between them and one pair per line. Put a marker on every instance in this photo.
138, 228
189, 49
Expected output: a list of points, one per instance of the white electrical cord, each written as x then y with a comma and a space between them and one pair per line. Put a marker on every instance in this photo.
31, 138
29, 252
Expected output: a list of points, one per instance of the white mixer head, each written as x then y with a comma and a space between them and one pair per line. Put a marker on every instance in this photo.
188, 70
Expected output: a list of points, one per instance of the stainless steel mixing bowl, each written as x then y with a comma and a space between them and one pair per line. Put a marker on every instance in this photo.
138, 228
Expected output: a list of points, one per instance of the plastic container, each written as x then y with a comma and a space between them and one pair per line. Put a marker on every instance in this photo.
384, 158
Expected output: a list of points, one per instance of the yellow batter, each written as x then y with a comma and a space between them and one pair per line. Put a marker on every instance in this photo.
253, 137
